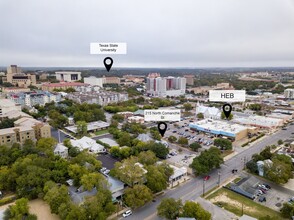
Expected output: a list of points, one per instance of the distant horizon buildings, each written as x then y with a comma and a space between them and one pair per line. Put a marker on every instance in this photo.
68, 76
189, 79
165, 86
17, 78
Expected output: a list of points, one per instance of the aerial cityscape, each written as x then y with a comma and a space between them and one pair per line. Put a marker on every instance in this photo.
159, 111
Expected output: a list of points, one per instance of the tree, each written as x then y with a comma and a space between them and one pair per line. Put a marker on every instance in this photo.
159, 149
155, 133
81, 128
46, 145
252, 166
223, 116
169, 208
147, 157
223, 144
183, 141
255, 107
156, 179
100, 206
195, 146
279, 172
7, 123
200, 116
194, 210
76, 172
266, 153
91, 180
137, 196
129, 171
188, 107
172, 139
118, 117
207, 161
280, 142
19, 211
124, 139
56, 196
287, 210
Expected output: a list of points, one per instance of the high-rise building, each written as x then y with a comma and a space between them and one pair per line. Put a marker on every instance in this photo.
189, 79
15, 77
289, 93
166, 86
13, 69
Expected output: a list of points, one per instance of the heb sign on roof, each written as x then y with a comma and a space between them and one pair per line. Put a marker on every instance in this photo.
227, 95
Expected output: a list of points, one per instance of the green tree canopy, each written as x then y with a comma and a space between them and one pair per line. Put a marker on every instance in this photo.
223, 144
137, 196
195, 146
195, 210
207, 161
169, 208
156, 179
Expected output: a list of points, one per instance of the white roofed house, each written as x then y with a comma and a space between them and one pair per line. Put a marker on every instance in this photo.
86, 143
61, 150
208, 112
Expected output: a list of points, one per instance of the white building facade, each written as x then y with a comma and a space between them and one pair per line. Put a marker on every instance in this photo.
67, 76
166, 86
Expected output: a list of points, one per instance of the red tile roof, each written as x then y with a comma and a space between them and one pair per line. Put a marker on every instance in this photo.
64, 84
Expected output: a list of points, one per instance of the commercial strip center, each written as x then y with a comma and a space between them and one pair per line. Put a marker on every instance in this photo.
217, 127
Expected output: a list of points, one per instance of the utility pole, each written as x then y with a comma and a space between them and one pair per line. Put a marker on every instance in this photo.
203, 188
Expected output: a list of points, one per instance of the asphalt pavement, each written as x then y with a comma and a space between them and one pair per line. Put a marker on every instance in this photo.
194, 188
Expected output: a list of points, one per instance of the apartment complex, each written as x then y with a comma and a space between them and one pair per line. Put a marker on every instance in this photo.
68, 76
17, 78
33, 98
62, 86
166, 86
289, 93
92, 95
7, 106
24, 129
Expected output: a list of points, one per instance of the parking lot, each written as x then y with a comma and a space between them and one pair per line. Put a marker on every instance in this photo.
181, 129
275, 197
184, 158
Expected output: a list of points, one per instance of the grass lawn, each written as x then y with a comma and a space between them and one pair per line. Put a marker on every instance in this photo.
237, 179
101, 132
233, 202
226, 153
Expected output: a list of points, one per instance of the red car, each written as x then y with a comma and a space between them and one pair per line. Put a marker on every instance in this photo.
206, 178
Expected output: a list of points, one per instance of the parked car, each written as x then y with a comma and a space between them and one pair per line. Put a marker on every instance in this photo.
259, 192
262, 187
263, 190
127, 213
206, 178
267, 186
262, 199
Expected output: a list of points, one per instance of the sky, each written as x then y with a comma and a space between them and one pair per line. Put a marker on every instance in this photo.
158, 33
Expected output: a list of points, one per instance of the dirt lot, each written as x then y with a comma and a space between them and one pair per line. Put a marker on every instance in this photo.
235, 203
39, 208
42, 210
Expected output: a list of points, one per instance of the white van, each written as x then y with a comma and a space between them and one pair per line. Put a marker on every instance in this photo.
127, 213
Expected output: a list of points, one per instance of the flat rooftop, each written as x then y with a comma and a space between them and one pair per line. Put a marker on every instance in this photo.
90, 127
218, 125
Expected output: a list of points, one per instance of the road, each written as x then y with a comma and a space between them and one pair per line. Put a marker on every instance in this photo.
194, 188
